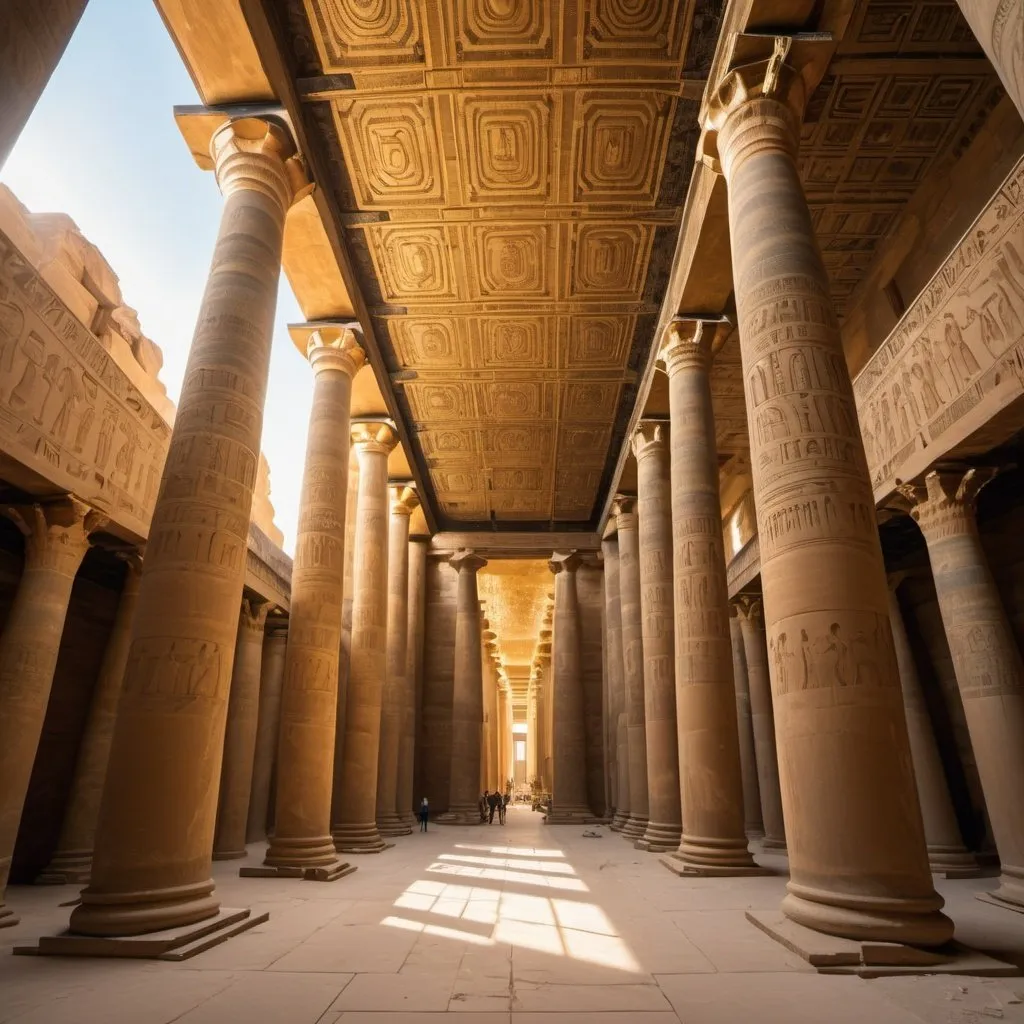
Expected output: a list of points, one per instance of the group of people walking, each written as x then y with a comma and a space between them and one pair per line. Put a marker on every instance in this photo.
491, 802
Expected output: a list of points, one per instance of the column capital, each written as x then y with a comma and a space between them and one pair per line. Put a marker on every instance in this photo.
944, 502
686, 345
467, 560
404, 500
253, 614
335, 347
748, 607
487, 634
624, 510
565, 561
650, 438
260, 155
757, 106
56, 532
374, 436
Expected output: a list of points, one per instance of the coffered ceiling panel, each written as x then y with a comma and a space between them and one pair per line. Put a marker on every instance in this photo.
507, 177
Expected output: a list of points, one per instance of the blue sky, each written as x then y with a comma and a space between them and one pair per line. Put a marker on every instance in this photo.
102, 146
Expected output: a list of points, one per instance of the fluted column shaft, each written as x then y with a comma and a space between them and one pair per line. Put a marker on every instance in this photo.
632, 666
505, 766
998, 25
946, 851
356, 828
986, 660
858, 866
713, 838
267, 728
752, 821
240, 733
468, 695
72, 860
569, 782
397, 697
755, 650
543, 722
614, 682
531, 733
56, 540
654, 515
409, 754
151, 868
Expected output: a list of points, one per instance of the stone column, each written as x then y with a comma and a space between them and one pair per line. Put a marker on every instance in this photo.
531, 730
240, 733
489, 696
627, 526
468, 697
568, 747
986, 659
755, 652
151, 868
713, 841
614, 682
345, 649
858, 866
355, 830
654, 514
267, 727
409, 755
72, 861
301, 845
947, 854
998, 25
752, 822
56, 540
505, 749
392, 820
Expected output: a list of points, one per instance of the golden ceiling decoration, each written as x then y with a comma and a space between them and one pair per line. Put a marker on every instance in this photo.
508, 176
515, 593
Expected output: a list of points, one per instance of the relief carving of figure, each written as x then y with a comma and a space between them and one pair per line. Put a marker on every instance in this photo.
12, 322
67, 385
106, 436
34, 349
957, 353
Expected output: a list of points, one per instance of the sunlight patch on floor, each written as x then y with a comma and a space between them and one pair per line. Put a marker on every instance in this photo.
506, 875
511, 851
552, 868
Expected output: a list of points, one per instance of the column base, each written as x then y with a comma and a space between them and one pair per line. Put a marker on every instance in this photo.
67, 869
460, 816
906, 921
393, 825
1009, 895
660, 837
868, 959
325, 873
170, 944
8, 918
145, 911
297, 853
230, 854
680, 866
953, 862
635, 827
358, 839
619, 820
773, 843
716, 857
571, 816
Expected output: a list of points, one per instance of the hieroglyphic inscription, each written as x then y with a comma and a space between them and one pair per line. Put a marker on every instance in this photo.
957, 355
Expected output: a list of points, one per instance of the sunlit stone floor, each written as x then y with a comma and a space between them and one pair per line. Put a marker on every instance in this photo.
518, 925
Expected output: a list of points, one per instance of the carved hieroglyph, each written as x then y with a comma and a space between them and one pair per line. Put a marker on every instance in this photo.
569, 774
654, 514
632, 664
151, 867
713, 840
240, 733
986, 659
305, 755
392, 819
72, 860
844, 756
957, 355
355, 827
56, 540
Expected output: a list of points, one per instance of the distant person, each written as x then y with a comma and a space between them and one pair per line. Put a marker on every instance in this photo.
424, 814
492, 803
485, 802
503, 802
